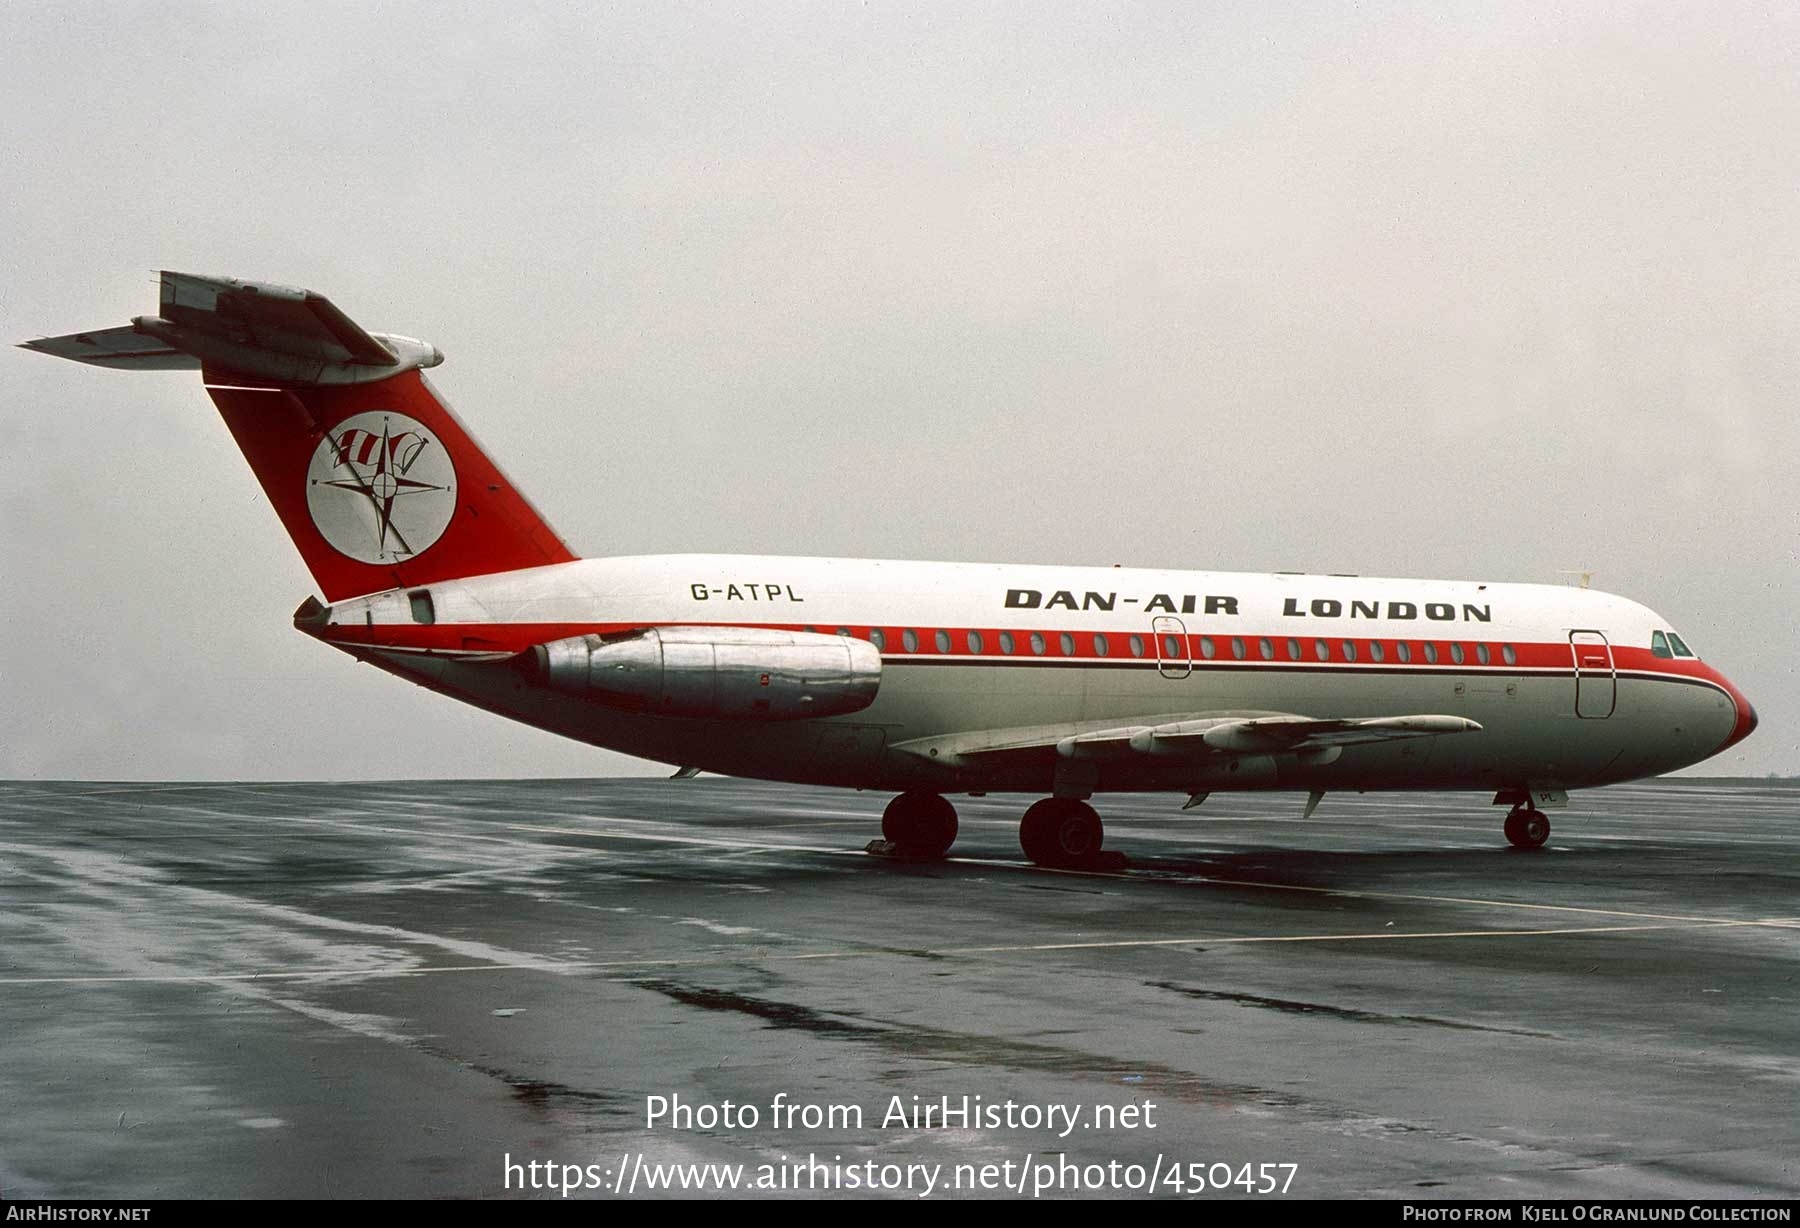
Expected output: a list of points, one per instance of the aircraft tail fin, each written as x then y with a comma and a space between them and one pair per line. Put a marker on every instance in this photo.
376, 480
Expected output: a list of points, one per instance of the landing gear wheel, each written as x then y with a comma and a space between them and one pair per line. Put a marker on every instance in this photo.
919, 824
1527, 829
1061, 833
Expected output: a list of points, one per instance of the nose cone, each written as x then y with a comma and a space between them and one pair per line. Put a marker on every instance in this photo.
1746, 716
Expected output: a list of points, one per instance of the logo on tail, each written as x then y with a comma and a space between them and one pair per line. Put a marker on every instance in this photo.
381, 488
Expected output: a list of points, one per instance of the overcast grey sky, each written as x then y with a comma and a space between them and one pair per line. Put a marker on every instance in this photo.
1486, 290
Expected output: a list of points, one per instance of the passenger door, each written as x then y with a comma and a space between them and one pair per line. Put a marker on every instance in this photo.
1596, 679
1173, 657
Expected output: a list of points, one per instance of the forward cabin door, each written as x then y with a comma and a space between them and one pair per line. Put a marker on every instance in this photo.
1172, 655
1596, 679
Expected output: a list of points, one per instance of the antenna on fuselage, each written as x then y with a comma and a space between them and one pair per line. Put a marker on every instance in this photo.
1587, 577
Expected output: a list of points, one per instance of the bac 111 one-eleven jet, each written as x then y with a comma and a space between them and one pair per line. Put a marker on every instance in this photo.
919, 679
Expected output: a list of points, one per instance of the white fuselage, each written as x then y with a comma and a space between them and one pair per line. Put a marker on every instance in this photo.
1563, 681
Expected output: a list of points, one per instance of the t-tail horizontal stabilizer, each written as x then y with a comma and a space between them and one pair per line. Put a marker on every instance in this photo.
278, 333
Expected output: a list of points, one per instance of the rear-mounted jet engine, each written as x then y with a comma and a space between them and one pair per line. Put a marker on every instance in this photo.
714, 672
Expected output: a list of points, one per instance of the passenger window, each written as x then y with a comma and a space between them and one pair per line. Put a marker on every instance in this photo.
423, 612
1456, 653
1681, 649
844, 631
1171, 648
1037, 644
1481, 653
975, 641
1403, 650
1237, 647
942, 639
1068, 644
1100, 646
1508, 654
1322, 650
1006, 642
1267, 649
910, 639
1293, 650
1349, 650
1376, 652
877, 638
1659, 645
1430, 652
1207, 647
1137, 645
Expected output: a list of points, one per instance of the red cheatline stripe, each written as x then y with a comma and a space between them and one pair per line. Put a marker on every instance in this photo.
1553, 656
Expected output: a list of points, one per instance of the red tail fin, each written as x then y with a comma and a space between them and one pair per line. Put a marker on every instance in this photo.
379, 484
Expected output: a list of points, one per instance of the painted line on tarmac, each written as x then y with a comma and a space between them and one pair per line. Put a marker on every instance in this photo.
740, 956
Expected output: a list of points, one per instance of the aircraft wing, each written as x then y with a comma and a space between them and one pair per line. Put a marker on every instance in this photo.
1193, 735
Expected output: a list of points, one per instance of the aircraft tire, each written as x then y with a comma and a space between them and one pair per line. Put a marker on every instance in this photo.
1061, 833
919, 824
1527, 829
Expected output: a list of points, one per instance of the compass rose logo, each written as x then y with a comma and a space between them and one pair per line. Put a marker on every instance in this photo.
380, 487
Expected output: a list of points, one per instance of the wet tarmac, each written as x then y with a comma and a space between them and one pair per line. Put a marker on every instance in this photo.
394, 989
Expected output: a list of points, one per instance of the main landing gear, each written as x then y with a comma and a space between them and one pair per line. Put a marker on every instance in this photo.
919, 825
1527, 828
1061, 833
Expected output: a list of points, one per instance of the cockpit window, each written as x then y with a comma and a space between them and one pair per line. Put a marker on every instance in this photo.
1659, 645
1681, 649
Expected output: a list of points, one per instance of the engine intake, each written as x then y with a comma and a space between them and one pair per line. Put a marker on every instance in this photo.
746, 673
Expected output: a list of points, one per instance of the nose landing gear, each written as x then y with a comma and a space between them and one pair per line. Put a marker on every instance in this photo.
1527, 828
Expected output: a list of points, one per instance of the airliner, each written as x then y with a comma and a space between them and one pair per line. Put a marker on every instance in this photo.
924, 680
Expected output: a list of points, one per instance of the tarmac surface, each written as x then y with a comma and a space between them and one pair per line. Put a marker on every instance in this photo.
397, 989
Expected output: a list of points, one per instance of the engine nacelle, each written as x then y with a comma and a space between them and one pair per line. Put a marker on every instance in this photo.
746, 673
